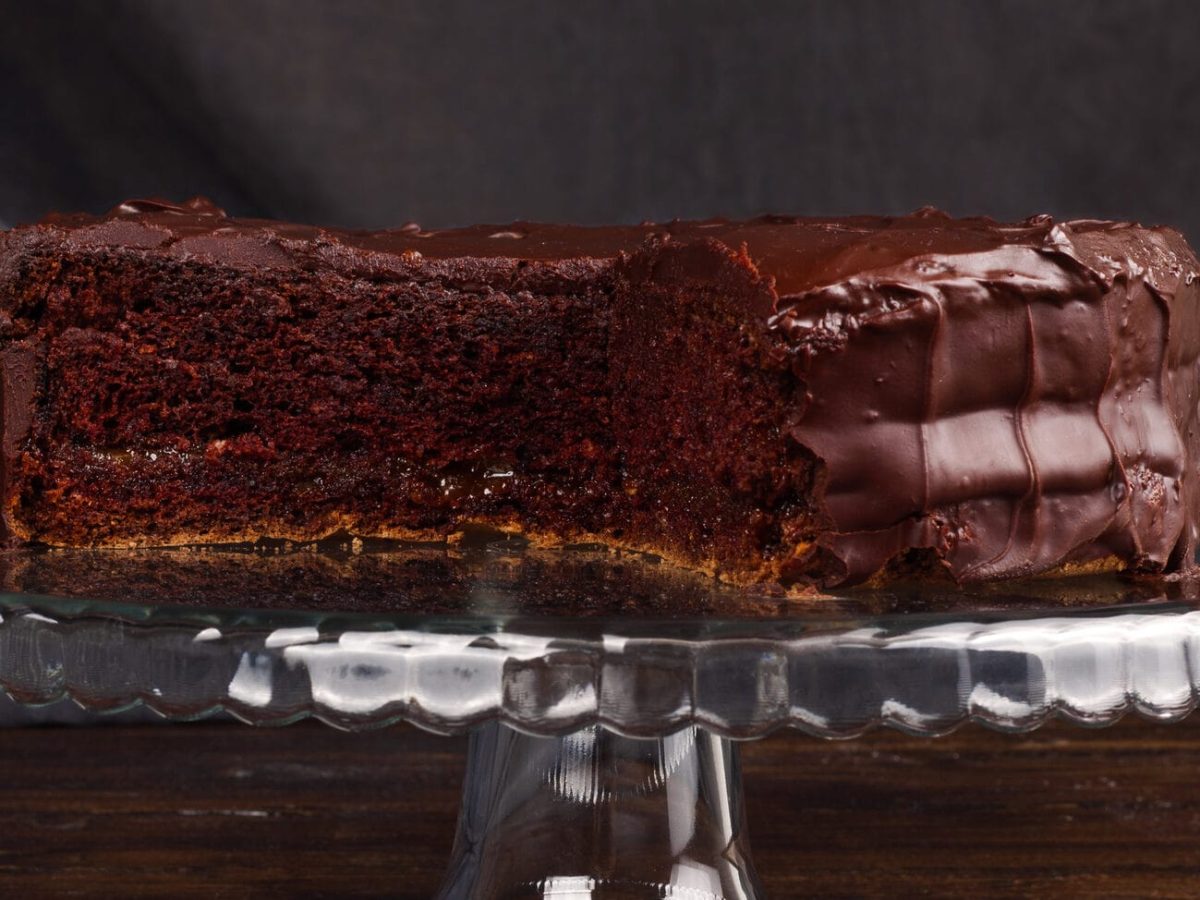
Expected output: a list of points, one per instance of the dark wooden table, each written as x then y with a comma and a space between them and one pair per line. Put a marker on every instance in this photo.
227, 810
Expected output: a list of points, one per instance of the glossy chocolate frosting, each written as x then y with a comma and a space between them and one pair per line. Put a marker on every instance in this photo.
1011, 399
1012, 408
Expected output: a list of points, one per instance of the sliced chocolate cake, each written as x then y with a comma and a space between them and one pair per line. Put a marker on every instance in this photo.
802, 401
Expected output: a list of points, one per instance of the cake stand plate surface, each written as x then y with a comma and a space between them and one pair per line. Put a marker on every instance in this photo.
603, 753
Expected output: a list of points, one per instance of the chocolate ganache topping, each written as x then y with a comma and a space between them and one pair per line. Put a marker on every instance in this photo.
1011, 407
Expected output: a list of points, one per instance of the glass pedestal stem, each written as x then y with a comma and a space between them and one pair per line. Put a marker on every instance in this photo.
595, 815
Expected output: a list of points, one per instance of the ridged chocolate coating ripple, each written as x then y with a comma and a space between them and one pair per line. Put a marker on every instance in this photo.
1011, 409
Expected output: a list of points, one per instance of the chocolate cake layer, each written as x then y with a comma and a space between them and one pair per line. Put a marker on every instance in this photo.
804, 401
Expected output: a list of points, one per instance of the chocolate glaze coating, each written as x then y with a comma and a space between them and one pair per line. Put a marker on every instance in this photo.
1045, 412
823, 401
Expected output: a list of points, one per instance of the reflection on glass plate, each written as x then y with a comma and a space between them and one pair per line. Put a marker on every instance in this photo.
368, 651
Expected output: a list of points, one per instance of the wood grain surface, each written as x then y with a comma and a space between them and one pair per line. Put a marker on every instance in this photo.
224, 810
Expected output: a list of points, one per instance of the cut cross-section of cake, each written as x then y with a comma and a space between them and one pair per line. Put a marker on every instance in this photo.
788, 400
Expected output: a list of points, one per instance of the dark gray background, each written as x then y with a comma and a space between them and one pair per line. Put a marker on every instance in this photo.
373, 113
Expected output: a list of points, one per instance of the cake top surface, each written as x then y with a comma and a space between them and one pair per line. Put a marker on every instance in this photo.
797, 253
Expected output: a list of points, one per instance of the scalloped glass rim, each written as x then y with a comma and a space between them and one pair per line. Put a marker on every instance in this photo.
925, 674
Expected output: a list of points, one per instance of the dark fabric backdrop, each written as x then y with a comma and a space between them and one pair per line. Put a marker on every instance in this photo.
372, 113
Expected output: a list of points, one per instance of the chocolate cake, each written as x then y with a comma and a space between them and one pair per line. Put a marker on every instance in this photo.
795, 401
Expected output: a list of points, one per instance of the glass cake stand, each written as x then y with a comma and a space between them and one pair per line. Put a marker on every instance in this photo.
603, 756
